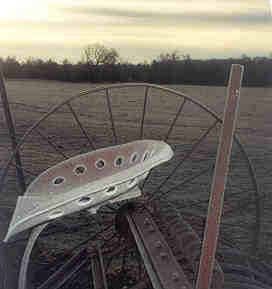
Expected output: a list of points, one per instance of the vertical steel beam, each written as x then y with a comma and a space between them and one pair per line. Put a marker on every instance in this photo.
219, 179
12, 133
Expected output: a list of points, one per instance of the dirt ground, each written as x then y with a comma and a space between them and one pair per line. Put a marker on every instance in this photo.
29, 100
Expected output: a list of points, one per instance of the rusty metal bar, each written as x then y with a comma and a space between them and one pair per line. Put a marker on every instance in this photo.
219, 180
175, 120
66, 271
185, 241
12, 133
84, 132
111, 116
144, 111
98, 271
162, 267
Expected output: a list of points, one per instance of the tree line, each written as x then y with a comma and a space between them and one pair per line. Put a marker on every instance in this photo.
102, 64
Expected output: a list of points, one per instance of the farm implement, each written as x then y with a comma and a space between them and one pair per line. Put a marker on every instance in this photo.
138, 202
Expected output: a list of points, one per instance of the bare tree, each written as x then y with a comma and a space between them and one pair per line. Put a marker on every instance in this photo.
169, 57
98, 54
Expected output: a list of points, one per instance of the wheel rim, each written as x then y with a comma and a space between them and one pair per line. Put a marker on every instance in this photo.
195, 156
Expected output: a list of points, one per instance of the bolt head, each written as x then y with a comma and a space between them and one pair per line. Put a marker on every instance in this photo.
175, 277
146, 222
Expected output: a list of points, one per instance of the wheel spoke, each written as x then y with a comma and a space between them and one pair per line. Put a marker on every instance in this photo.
186, 181
52, 144
124, 259
175, 120
144, 112
28, 172
111, 115
83, 130
114, 253
195, 146
93, 237
140, 267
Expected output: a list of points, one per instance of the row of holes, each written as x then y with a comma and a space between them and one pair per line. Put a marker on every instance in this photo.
88, 200
100, 164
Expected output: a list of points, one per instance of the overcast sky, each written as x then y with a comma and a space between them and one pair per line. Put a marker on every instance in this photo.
139, 30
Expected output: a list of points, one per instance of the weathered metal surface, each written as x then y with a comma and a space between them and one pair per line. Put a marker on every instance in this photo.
185, 242
161, 265
219, 180
66, 271
87, 181
83, 130
98, 271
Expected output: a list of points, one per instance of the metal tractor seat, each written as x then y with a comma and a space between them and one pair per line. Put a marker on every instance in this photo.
87, 181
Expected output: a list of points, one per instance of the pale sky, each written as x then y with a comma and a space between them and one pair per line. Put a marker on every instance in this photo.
139, 30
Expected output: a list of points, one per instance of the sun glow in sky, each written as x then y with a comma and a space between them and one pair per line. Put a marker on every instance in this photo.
139, 30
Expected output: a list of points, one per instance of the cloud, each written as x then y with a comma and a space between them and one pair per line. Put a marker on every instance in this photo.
142, 29
116, 16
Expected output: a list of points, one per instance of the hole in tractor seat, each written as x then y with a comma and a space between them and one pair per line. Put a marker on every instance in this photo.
111, 190
58, 181
84, 201
145, 156
80, 170
55, 214
100, 164
134, 157
119, 161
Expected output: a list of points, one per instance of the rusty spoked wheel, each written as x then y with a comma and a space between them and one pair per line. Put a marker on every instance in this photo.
121, 113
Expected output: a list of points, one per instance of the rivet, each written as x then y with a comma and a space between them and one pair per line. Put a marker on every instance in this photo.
146, 222
175, 276
158, 245
163, 255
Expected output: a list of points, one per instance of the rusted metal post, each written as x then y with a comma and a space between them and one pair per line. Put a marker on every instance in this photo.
219, 180
162, 267
12, 133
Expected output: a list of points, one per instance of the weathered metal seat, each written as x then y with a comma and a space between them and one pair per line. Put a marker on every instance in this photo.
87, 181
